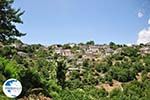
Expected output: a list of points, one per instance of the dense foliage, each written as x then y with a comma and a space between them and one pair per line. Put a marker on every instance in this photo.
8, 18
42, 71
71, 71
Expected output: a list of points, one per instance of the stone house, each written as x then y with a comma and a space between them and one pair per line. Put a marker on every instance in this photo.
117, 51
66, 52
58, 50
22, 54
83, 47
93, 49
145, 50
108, 51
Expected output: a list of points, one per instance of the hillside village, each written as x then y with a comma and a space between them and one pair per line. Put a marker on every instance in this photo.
87, 51
74, 71
93, 51
78, 52
76, 66
81, 65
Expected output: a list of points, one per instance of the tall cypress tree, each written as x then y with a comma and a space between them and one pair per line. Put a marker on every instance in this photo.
9, 17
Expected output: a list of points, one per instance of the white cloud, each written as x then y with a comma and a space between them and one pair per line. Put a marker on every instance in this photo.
140, 14
149, 21
144, 36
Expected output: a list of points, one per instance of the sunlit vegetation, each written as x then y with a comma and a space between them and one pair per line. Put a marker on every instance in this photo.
71, 72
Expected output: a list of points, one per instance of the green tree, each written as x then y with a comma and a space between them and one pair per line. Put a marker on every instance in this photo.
90, 43
101, 68
113, 45
8, 19
61, 71
66, 46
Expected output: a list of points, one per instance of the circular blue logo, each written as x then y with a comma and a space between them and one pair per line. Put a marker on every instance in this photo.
12, 88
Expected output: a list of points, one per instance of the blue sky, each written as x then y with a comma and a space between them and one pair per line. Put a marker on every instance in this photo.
64, 21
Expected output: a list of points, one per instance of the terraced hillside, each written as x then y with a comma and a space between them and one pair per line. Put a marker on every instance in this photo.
77, 71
